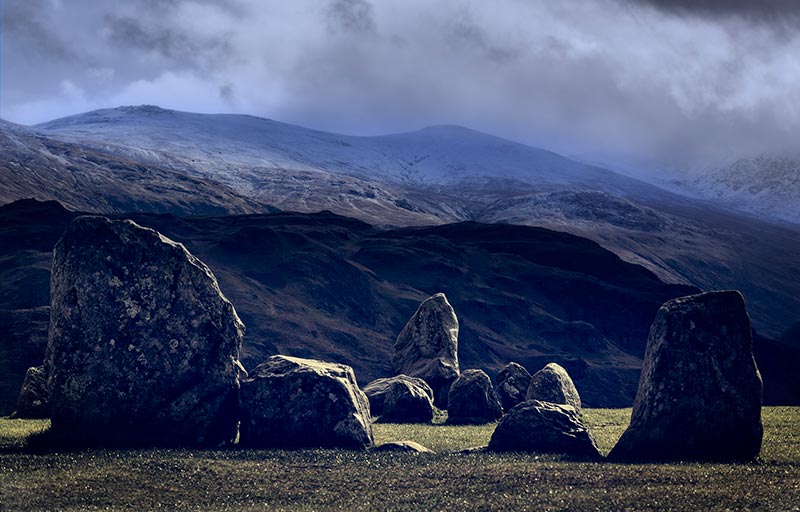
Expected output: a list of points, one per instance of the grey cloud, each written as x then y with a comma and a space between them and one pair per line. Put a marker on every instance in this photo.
351, 16
180, 48
623, 79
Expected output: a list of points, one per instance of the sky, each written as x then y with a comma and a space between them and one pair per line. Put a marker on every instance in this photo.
660, 84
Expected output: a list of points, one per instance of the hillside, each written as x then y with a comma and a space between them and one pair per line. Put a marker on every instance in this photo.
330, 287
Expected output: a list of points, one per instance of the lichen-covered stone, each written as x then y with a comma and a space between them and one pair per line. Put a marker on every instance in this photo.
143, 347
544, 427
427, 347
32, 401
512, 385
553, 384
473, 399
400, 399
699, 395
289, 402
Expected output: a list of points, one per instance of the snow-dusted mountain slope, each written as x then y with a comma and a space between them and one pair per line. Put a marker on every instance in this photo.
237, 148
765, 185
41, 167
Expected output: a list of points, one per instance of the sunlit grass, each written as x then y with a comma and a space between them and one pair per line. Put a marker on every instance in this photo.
344, 480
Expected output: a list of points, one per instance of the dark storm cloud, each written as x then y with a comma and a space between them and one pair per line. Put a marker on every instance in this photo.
647, 80
184, 49
767, 10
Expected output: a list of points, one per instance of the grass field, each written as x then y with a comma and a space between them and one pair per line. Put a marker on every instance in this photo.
342, 480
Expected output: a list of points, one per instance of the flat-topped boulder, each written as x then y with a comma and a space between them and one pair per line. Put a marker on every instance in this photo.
473, 400
143, 347
289, 402
427, 347
699, 396
544, 427
400, 399
553, 384
512, 385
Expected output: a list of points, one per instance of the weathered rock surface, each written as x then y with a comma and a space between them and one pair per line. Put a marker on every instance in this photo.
289, 402
699, 395
32, 401
544, 427
553, 384
143, 347
403, 447
400, 399
473, 399
512, 385
427, 347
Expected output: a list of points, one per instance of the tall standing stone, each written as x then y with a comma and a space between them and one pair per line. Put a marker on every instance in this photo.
427, 347
143, 347
553, 384
699, 394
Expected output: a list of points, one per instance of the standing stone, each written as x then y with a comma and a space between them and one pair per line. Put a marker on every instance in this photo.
32, 401
544, 427
512, 385
427, 347
289, 402
473, 400
143, 347
699, 394
400, 399
553, 384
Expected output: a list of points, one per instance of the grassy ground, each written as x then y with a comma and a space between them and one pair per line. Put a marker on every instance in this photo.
335, 479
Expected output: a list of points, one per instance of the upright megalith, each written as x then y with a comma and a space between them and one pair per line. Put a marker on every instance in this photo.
699, 394
512, 385
553, 384
143, 347
427, 347
472, 400
289, 402
32, 400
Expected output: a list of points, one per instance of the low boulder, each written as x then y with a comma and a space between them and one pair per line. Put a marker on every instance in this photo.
543, 427
403, 447
400, 399
553, 384
32, 401
512, 385
427, 347
143, 347
289, 402
473, 400
699, 396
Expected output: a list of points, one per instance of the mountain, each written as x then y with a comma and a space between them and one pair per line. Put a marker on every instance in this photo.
768, 186
446, 174
34, 165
